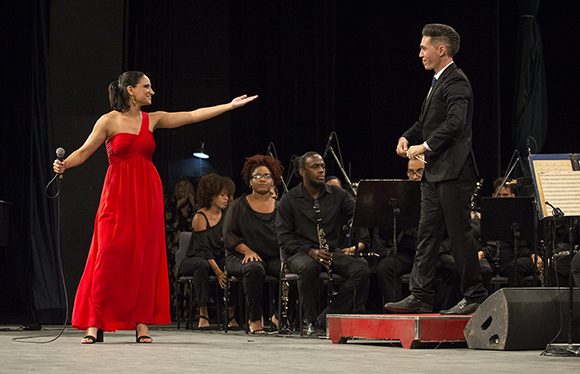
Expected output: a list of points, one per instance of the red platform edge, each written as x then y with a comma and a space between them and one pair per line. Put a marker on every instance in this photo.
410, 329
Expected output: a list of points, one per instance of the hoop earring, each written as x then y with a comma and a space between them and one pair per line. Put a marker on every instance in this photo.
133, 101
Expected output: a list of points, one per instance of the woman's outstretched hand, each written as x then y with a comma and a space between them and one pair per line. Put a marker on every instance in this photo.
243, 100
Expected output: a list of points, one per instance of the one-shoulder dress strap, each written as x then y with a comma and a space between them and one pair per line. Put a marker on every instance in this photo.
144, 121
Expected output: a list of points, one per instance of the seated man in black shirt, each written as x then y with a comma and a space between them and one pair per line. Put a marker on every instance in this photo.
301, 211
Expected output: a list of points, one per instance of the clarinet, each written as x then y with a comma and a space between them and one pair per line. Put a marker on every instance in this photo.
364, 254
323, 245
284, 300
473, 200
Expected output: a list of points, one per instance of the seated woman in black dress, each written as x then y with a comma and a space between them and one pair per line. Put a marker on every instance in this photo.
206, 251
250, 234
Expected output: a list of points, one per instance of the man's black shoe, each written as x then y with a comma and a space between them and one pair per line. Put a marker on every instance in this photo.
313, 329
410, 304
462, 307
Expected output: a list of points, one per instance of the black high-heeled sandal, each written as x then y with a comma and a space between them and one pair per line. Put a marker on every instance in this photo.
90, 339
203, 327
144, 339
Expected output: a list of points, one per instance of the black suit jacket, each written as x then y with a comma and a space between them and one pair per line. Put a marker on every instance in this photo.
445, 124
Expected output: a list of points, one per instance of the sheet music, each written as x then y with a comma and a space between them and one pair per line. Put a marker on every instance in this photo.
562, 190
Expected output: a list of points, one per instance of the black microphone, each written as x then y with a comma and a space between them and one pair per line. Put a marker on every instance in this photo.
330, 138
528, 147
60, 152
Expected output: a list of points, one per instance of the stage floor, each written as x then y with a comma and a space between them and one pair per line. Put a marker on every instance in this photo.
185, 351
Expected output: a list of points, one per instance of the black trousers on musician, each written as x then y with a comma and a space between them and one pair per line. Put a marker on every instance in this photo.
388, 273
253, 274
445, 205
524, 268
352, 295
199, 269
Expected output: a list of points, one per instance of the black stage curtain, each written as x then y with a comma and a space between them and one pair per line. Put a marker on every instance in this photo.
530, 123
31, 285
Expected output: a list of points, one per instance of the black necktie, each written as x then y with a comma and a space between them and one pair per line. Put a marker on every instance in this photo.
433, 82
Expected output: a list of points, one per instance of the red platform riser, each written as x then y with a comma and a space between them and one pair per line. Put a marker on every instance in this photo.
409, 329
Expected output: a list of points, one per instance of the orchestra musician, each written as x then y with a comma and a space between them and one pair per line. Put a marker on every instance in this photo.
296, 225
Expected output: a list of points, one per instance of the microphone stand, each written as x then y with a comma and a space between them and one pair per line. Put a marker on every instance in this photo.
396, 211
569, 349
344, 174
274, 154
509, 172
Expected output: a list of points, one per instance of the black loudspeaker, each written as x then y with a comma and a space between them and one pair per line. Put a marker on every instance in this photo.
523, 318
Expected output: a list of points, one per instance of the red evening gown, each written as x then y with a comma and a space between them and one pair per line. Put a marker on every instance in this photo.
125, 280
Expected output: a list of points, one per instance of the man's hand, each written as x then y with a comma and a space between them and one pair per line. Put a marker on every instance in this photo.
349, 250
539, 264
322, 257
402, 147
416, 151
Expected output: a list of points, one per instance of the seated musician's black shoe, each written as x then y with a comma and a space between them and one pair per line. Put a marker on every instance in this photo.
314, 329
462, 307
410, 304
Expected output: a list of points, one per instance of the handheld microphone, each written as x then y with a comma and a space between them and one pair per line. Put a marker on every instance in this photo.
330, 138
60, 152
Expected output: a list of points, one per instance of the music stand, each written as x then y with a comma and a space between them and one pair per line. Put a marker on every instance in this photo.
509, 219
388, 203
557, 185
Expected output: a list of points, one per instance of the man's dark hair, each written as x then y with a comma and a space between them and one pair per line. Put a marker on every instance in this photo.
444, 34
497, 184
301, 161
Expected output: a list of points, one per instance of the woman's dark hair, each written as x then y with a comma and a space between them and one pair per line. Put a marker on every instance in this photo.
118, 95
211, 185
255, 161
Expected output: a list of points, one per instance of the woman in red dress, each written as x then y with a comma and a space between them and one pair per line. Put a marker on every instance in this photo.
125, 283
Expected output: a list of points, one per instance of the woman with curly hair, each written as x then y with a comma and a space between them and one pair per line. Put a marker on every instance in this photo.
250, 234
206, 250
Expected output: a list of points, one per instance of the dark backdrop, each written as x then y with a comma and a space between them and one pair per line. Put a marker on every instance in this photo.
318, 66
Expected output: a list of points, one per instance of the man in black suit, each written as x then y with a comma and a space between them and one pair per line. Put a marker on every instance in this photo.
442, 138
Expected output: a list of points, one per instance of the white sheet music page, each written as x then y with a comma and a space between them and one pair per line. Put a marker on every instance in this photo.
562, 190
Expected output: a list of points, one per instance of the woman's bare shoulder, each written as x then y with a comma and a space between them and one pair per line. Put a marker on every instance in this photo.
108, 123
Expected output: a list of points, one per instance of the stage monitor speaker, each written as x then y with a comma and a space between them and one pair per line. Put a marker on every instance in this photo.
523, 318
